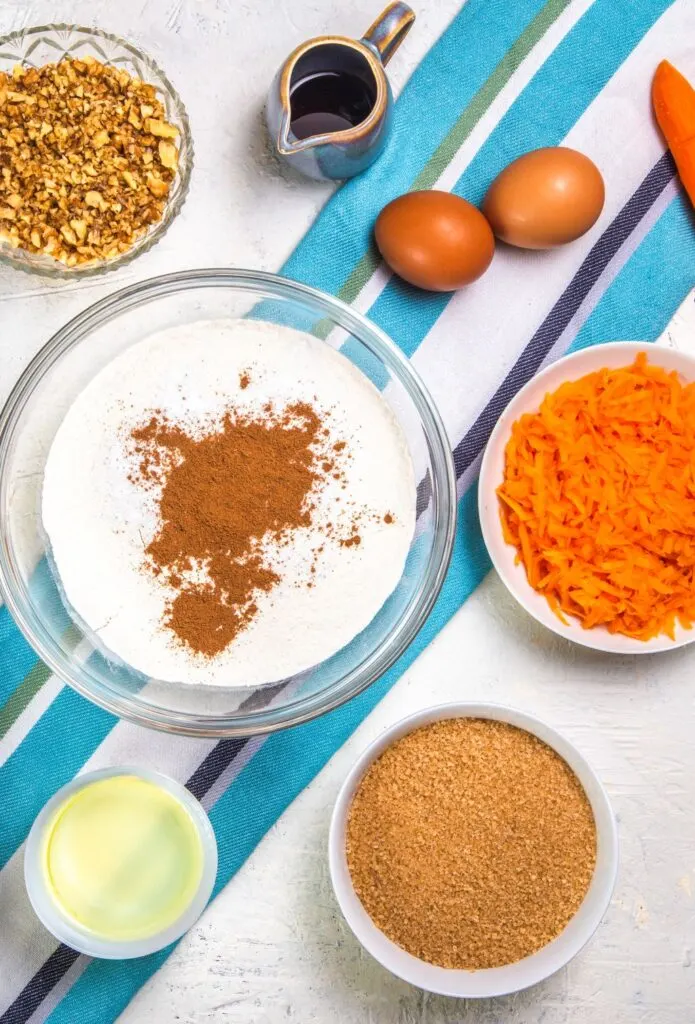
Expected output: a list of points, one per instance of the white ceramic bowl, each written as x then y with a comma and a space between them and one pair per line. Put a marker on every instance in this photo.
620, 353
67, 930
496, 981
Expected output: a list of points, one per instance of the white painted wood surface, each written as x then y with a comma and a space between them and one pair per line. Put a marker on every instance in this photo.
272, 948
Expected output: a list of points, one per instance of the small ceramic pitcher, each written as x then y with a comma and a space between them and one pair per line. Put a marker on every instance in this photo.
349, 99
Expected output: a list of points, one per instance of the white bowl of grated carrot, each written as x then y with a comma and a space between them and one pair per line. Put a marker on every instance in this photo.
587, 498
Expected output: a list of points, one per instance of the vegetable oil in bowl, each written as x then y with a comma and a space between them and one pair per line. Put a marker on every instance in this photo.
120, 863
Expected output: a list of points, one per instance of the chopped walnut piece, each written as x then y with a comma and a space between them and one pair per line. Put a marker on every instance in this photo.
168, 154
156, 186
162, 129
80, 229
77, 139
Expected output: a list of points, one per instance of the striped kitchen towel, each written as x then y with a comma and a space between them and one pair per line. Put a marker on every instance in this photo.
505, 77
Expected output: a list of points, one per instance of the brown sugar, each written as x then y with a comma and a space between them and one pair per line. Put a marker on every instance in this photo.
222, 493
470, 843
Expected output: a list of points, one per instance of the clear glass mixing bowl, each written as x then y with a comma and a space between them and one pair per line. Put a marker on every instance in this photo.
36, 408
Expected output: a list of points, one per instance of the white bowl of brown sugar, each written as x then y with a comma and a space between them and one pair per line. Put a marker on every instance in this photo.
473, 850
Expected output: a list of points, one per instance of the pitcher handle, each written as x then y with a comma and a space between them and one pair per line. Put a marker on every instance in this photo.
389, 30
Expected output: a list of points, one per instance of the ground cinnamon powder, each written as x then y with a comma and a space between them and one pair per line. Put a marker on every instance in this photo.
222, 493
470, 843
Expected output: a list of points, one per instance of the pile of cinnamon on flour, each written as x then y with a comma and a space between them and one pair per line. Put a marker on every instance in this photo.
242, 506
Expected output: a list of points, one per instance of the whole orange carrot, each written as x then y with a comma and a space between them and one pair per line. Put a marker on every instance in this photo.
673, 98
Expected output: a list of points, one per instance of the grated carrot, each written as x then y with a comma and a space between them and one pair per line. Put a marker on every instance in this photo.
599, 500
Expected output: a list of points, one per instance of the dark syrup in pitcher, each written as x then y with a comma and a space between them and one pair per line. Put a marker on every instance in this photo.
329, 101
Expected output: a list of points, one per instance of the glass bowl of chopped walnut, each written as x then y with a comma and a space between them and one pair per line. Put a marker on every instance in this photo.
95, 151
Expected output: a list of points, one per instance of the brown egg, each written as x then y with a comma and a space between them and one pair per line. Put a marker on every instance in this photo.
434, 240
545, 198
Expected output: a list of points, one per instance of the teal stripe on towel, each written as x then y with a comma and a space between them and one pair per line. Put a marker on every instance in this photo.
54, 750
17, 657
652, 284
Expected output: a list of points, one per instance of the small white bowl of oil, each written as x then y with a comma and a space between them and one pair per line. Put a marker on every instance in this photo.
120, 862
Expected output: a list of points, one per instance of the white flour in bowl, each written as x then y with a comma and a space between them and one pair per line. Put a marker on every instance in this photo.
103, 500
